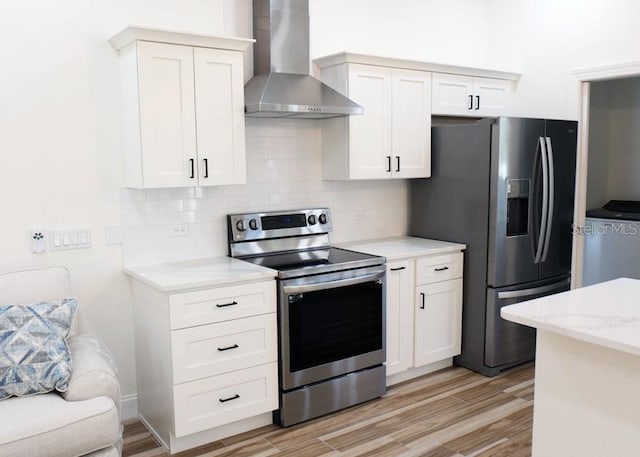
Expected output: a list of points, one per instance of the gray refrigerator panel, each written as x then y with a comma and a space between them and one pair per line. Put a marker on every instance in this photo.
515, 203
562, 145
453, 205
507, 343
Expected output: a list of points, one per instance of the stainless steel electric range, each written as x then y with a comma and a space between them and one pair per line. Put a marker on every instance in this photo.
331, 311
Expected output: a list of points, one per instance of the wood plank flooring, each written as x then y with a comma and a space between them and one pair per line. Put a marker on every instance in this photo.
450, 413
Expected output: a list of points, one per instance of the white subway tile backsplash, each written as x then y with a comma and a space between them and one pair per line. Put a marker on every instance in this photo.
284, 171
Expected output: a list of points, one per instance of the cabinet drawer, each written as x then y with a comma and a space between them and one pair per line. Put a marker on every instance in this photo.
219, 400
438, 268
222, 304
210, 350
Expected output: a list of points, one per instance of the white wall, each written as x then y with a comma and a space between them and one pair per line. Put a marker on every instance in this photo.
452, 32
60, 162
547, 39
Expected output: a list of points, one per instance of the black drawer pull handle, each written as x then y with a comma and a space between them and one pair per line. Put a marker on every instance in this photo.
441, 269
398, 163
478, 102
397, 269
470, 101
422, 295
193, 168
227, 304
206, 168
388, 164
224, 400
235, 346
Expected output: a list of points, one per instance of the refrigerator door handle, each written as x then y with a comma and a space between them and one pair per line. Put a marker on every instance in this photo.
534, 290
545, 200
551, 199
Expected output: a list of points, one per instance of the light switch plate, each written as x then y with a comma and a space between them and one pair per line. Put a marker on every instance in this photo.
60, 240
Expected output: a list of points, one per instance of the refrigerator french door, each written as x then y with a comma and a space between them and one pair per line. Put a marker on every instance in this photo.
505, 188
531, 200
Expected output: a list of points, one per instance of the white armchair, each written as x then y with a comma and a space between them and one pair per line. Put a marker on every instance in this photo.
84, 420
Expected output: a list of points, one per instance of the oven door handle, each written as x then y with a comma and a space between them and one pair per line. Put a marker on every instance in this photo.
332, 284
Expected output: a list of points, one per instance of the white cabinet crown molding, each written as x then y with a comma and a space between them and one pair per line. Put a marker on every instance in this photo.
349, 57
137, 33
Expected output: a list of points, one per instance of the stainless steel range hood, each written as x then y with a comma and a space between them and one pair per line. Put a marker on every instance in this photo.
282, 86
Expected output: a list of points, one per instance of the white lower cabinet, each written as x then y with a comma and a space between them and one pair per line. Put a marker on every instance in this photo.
400, 278
424, 313
210, 402
438, 321
206, 360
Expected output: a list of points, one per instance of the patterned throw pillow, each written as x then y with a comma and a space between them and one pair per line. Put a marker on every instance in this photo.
34, 355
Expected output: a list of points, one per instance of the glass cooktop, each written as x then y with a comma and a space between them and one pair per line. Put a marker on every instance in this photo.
315, 261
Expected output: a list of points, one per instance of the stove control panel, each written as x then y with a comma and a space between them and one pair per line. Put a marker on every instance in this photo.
277, 224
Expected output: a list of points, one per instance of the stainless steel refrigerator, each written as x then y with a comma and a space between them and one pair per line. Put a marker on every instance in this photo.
505, 188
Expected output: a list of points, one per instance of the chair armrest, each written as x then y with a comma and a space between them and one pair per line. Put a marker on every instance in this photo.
93, 373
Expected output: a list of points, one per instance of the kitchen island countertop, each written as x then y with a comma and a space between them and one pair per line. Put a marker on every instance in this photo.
606, 314
587, 369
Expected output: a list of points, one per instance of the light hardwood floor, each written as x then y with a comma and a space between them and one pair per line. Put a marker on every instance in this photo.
451, 413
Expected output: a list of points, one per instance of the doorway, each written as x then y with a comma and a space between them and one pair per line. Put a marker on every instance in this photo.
608, 151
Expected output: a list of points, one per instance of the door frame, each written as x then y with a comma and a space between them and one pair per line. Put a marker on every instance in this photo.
582, 83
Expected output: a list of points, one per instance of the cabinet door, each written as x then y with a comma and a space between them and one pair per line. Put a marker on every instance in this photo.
411, 124
370, 133
219, 101
167, 114
399, 316
452, 94
491, 96
438, 321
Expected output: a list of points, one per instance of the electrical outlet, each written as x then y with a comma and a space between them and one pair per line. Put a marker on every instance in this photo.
359, 216
179, 230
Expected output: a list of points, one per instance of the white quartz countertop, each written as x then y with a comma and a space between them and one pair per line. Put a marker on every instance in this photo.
607, 314
403, 247
168, 277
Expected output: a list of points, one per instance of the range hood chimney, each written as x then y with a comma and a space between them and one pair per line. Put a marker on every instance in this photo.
282, 86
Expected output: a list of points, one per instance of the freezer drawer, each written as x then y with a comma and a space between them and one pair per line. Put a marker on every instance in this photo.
508, 343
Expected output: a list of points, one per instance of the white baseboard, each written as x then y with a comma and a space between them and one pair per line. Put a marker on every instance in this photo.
129, 407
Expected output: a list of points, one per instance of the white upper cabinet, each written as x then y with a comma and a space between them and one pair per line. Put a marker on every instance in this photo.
167, 114
220, 116
183, 108
392, 138
369, 135
460, 95
411, 124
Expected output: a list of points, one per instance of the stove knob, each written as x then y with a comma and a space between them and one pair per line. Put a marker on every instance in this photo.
312, 219
323, 218
253, 224
240, 226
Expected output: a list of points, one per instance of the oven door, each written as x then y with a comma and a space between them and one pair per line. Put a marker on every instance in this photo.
331, 324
